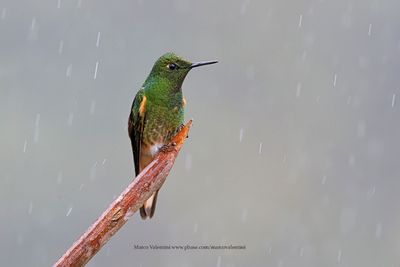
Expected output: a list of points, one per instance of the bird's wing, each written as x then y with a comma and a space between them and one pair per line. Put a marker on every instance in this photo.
136, 125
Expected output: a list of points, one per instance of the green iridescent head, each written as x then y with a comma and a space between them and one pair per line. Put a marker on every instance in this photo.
174, 68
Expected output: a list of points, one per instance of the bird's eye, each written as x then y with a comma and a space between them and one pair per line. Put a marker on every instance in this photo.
172, 66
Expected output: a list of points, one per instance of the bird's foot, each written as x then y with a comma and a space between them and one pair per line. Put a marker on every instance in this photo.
167, 147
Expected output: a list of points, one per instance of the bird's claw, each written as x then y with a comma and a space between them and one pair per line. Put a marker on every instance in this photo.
168, 147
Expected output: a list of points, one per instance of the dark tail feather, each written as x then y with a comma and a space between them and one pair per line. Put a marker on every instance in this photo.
143, 213
149, 207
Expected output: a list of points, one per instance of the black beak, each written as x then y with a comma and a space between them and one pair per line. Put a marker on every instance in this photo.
198, 64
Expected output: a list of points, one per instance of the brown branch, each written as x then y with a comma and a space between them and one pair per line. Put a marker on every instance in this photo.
133, 197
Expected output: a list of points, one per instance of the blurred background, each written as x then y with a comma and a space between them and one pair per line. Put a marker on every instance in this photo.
293, 152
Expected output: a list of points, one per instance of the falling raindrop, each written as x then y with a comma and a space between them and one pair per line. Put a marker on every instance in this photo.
95, 70
260, 148
61, 47
3, 13
298, 89
352, 160
104, 161
98, 39
69, 211
349, 100
301, 251
304, 55
92, 107
37, 120
311, 10
323, 181
393, 100
369, 29
244, 215
33, 23
25, 145
81, 187
79, 4
361, 129
33, 31
36, 134
241, 134
300, 20
58, 3
59, 177
69, 70
372, 191
243, 7
378, 230
339, 256
334, 80
30, 208
70, 119
269, 249
195, 227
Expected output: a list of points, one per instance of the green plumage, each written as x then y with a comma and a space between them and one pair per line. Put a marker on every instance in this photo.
163, 110
157, 112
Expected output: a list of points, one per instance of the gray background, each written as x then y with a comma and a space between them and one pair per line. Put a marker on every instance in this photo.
293, 152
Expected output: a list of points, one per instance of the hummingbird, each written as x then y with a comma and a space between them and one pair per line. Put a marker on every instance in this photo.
157, 113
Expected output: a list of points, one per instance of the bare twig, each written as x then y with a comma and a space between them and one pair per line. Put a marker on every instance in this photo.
133, 197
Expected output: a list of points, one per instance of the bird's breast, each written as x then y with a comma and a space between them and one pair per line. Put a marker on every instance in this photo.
161, 122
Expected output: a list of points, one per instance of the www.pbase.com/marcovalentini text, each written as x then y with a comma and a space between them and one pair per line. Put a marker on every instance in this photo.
187, 247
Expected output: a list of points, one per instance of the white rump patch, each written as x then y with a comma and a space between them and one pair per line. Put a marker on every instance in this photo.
154, 149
